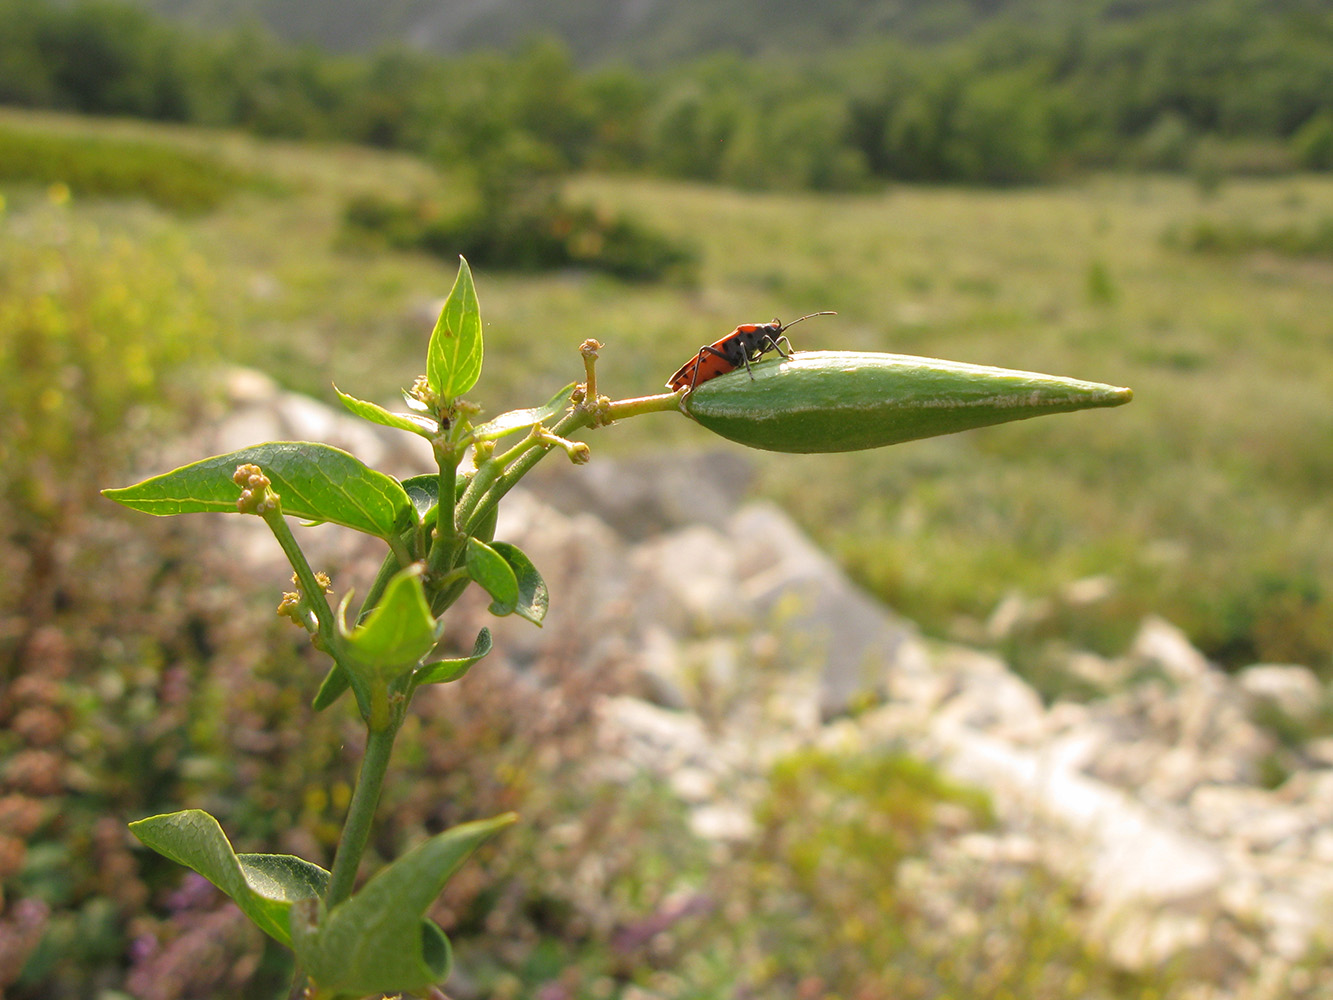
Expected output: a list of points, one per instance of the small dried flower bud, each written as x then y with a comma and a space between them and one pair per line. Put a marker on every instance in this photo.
290, 607
424, 394
249, 476
257, 496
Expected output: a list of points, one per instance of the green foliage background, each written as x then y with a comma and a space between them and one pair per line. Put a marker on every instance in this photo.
1202, 280
1026, 92
130, 691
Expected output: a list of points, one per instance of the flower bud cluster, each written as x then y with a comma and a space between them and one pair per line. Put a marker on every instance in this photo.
257, 496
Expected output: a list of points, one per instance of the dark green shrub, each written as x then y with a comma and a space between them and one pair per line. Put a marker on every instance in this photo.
1166, 144
1210, 236
1313, 143
524, 235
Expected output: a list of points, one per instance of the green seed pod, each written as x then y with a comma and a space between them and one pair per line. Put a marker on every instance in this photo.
823, 401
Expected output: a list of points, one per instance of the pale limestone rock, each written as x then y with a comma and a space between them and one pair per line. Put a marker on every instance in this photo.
1295, 690
1161, 644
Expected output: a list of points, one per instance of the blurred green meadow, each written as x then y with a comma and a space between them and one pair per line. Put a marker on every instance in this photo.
1204, 501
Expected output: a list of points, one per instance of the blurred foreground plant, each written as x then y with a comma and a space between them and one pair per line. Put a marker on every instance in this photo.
92, 327
439, 530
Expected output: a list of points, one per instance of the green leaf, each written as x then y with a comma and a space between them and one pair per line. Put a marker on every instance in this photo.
532, 598
379, 940
424, 492
514, 420
415, 423
443, 671
264, 886
453, 359
396, 635
421, 491
492, 571
825, 401
315, 481
331, 689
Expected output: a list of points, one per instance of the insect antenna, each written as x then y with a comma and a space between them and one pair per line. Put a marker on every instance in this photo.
811, 315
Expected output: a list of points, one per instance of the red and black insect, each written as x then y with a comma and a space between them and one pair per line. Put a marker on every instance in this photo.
748, 342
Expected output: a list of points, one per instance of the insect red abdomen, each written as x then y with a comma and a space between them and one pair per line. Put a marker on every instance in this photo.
742, 345
723, 355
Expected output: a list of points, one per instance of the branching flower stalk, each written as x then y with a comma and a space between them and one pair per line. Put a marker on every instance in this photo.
439, 533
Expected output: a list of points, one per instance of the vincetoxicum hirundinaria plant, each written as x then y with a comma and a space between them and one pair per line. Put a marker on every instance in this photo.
439, 531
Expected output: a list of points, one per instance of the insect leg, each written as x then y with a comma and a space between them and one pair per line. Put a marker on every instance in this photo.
709, 349
766, 344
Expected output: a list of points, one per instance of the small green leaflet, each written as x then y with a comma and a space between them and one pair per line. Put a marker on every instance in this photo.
264, 886
515, 420
442, 671
415, 423
491, 570
532, 598
423, 491
335, 682
396, 635
379, 940
315, 481
453, 359
507, 574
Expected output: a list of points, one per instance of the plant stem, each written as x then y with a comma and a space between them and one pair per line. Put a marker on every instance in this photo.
299, 983
356, 829
621, 408
310, 588
530, 452
444, 541
482, 481
533, 453
589, 349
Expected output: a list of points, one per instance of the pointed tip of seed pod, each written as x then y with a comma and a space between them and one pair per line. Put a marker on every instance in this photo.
1095, 394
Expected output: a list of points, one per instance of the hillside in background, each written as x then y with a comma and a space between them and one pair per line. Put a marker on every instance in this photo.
646, 31
658, 32
1020, 93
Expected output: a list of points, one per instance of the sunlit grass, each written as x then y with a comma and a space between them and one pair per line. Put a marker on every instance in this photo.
1202, 499
1205, 500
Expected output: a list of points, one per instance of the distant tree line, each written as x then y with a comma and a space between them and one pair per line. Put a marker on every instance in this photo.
1221, 85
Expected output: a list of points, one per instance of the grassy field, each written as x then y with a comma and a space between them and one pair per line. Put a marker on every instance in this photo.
1205, 500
